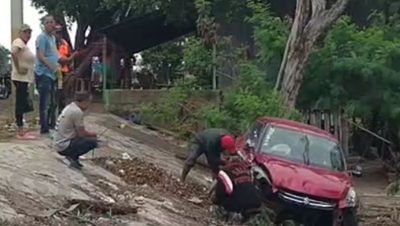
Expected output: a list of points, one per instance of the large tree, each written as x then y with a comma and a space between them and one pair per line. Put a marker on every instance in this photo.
95, 14
312, 19
87, 14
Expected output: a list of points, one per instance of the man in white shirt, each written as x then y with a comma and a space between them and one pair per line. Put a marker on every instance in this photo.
71, 138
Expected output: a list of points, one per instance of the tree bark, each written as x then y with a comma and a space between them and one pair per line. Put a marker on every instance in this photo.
311, 20
80, 35
65, 33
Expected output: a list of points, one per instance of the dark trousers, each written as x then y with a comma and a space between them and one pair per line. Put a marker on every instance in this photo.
47, 102
21, 102
79, 146
245, 199
61, 93
60, 100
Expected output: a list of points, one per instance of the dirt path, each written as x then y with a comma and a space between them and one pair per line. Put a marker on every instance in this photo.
377, 208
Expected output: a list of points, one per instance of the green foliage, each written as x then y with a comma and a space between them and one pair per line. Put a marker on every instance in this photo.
197, 61
166, 112
164, 56
249, 98
90, 13
270, 31
351, 55
270, 35
75, 10
393, 188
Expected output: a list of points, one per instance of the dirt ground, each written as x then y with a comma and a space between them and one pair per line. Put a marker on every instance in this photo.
132, 181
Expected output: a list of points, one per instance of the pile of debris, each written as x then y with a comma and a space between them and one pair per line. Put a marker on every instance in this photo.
138, 172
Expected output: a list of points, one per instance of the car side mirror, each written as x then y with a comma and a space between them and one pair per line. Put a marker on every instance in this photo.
356, 171
249, 146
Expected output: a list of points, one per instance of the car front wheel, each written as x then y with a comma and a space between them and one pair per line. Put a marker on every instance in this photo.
350, 218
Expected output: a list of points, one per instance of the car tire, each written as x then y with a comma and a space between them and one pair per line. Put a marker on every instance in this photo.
350, 218
265, 188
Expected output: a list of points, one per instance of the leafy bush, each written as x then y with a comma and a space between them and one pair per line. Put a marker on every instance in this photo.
198, 61
166, 112
251, 95
249, 98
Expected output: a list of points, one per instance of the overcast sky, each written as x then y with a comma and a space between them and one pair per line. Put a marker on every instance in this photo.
31, 17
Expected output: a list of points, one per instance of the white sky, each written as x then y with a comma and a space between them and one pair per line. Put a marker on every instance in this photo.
31, 17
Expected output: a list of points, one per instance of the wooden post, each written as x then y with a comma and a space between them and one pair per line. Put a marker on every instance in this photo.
344, 138
17, 19
214, 66
105, 93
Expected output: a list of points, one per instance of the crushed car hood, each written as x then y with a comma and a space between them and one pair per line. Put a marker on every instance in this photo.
306, 180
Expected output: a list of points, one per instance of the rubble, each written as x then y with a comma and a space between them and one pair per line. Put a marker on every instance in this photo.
138, 172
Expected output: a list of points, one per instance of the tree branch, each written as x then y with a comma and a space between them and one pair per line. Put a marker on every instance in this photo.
326, 18
318, 6
336, 10
301, 18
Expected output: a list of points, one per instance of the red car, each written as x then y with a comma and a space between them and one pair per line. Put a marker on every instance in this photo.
301, 171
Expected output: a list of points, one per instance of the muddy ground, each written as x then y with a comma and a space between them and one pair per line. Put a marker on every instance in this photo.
132, 181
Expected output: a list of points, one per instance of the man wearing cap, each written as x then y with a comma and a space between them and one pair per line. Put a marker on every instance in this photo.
211, 142
47, 65
23, 61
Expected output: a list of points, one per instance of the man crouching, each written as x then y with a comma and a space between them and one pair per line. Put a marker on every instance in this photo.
234, 190
71, 138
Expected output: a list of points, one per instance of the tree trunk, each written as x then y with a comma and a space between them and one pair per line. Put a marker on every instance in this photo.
80, 35
311, 20
65, 34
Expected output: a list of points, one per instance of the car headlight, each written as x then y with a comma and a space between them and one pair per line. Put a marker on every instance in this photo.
351, 198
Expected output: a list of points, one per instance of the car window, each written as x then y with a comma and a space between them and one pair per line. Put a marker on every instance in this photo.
253, 134
304, 148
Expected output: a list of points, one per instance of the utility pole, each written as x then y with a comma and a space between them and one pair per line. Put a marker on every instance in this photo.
17, 18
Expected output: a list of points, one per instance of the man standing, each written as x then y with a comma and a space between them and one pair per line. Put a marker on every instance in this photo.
211, 142
47, 65
71, 138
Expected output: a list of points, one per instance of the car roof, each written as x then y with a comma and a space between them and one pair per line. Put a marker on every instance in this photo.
297, 126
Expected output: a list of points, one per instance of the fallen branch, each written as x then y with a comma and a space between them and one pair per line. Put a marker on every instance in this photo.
369, 131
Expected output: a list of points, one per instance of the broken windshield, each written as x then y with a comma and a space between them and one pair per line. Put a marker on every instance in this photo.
304, 148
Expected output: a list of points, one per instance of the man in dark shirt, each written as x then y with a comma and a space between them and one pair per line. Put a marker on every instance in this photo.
211, 142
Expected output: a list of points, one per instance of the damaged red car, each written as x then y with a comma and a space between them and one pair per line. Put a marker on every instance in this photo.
301, 171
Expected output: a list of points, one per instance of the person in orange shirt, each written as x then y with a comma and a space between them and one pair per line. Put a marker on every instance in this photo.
65, 51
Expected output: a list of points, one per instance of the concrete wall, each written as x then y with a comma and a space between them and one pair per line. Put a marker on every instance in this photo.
125, 100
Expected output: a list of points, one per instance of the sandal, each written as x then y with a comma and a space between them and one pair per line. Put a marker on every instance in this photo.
26, 136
